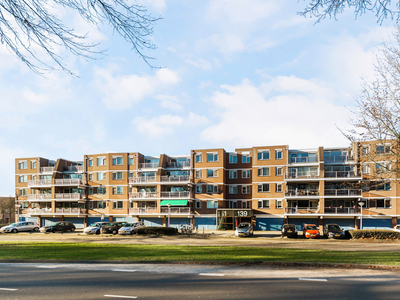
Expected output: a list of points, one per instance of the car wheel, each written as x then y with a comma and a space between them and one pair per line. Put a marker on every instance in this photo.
114, 231
14, 230
72, 229
98, 232
132, 232
53, 231
36, 229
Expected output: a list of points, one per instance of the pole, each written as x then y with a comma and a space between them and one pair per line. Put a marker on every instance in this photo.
169, 213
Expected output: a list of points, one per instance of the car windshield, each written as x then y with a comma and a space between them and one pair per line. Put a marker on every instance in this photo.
53, 224
311, 227
289, 226
129, 225
334, 227
243, 225
13, 224
95, 225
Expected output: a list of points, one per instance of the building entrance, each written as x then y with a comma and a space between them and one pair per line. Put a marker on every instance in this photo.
228, 219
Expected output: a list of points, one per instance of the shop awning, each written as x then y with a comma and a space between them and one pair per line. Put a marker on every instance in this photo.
173, 202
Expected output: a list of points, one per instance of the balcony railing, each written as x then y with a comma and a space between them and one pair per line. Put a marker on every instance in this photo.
148, 165
301, 210
71, 181
175, 178
46, 169
143, 211
39, 211
39, 182
142, 195
68, 196
144, 179
74, 169
178, 164
176, 210
340, 174
175, 194
296, 193
301, 175
296, 160
337, 158
343, 192
339, 210
69, 210
39, 197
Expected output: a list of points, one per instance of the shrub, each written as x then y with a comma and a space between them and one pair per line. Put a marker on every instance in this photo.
379, 234
158, 230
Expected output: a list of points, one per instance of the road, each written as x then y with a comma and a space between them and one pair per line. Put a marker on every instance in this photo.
153, 281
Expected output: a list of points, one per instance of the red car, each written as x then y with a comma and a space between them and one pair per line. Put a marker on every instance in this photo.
311, 231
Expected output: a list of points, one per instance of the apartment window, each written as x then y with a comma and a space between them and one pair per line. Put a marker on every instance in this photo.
101, 190
233, 189
246, 174
233, 159
130, 175
278, 171
198, 204
212, 157
199, 189
23, 192
90, 205
383, 149
23, 165
33, 164
23, 178
24, 204
379, 203
278, 203
246, 204
117, 175
101, 161
382, 167
278, 154
90, 176
90, 162
117, 161
212, 189
246, 189
118, 190
364, 150
365, 168
263, 188
130, 161
199, 174
245, 158
263, 155
383, 186
232, 174
212, 173
101, 176
263, 172
101, 204
117, 204
263, 203
232, 204
278, 188
212, 204
90, 191
199, 158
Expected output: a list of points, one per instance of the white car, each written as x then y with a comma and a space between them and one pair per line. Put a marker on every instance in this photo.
20, 226
131, 228
397, 228
244, 229
94, 228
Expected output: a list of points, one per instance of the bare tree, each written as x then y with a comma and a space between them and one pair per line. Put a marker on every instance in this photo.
29, 27
383, 9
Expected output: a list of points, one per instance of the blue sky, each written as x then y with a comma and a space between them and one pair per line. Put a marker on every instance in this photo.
236, 74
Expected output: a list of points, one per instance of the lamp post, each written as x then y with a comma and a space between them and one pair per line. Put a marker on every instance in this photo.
169, 212
361, 205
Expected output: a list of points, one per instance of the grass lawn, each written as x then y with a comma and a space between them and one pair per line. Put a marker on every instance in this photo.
157, 253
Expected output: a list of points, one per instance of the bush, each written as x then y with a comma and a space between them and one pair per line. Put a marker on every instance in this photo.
379, 234
158, 230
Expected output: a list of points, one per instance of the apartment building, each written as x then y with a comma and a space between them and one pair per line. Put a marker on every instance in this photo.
215, 189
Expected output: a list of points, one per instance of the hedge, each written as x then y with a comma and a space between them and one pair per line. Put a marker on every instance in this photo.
158, 230
379, 234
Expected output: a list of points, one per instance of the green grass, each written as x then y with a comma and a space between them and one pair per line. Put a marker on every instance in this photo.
157, 253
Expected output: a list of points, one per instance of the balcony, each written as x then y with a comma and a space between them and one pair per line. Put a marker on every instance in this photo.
70, 211
181, 178
301, 210
341, 210
39, 197
175, 194
143, 211
342, 174
301, 175
69, 182
176, 210
344, 193
46, 169
68, 196
73, 169
143, 195
301, 160
40, 211
178, 165
302, 193
338, 159
146, 179
39, 183
148, 165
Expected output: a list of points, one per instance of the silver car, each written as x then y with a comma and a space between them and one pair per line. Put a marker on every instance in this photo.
244, 229
131, 228
94, 228
20, 226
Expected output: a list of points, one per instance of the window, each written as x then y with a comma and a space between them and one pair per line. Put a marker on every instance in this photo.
117, 175
90, 176
199, 174
23, 178
263, 172
379, 203
278, 154
117, 161
24, 204
246, 204
199, 158
130, 175
263, 203
364, 150
246, 174
383, 186
101, 161
246, 189
199, 189
232, 159
278, 203
101, 204
212, 173
263, 188
383, 149
212, 204
232, 174
22, 165
365, 168
90, 191
33, 164
233, 189
117, 204
90, 162
212, 189
245, 158
382, 167
212, 157
101, 190
130, 161
101, 176
198, 204
117, 190
90, 205
278, 171
278, 188
263, 155
23, 192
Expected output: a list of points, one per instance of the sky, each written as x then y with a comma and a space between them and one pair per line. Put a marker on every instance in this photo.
233, 74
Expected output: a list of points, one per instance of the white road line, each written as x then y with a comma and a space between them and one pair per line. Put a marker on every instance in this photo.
211, 274
118, 296
123, 270
313, 279
4, 289
46, 267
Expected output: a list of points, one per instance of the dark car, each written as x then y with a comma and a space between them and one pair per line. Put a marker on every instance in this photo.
289, 230
334, 231
58, 226
112, 227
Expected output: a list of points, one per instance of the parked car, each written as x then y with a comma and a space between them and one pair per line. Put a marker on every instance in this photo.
289, 230
20, 226
397, 228
311, 231
333, 231
94, 228
58, 226
131, 228
112, 227
244, 229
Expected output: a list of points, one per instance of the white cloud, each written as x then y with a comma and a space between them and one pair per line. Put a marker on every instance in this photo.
157, 126
196, 120
226, 44
201, 64
169, 102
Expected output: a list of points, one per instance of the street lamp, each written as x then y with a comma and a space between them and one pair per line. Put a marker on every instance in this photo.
361, 205
169, 212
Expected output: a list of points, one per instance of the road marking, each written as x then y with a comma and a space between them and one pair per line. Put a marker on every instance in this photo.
123, 270
118, 296
46, 267
313, 279
4, 289
211, 274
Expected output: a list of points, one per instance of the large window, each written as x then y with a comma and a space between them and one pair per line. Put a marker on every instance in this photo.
101, 176
246, 189
383, 149
232, 174
198, 174
199, 189
278, 154
101, 161
212, 189
90, 162
263, 188
212, 204
233, 189
232, 158
263, 172
263, 155
118, 190
33, 164
245, 158
383, 186
101, 190
278, 203
212, 157
382, 167
379, 203
117, 175
130, 160
118, 205
212, 173
23, 178
199, 158
23, 165
263, 203
278, 188
278, 171
117, 161
246, 174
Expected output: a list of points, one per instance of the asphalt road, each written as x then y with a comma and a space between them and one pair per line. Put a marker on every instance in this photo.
92, 281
